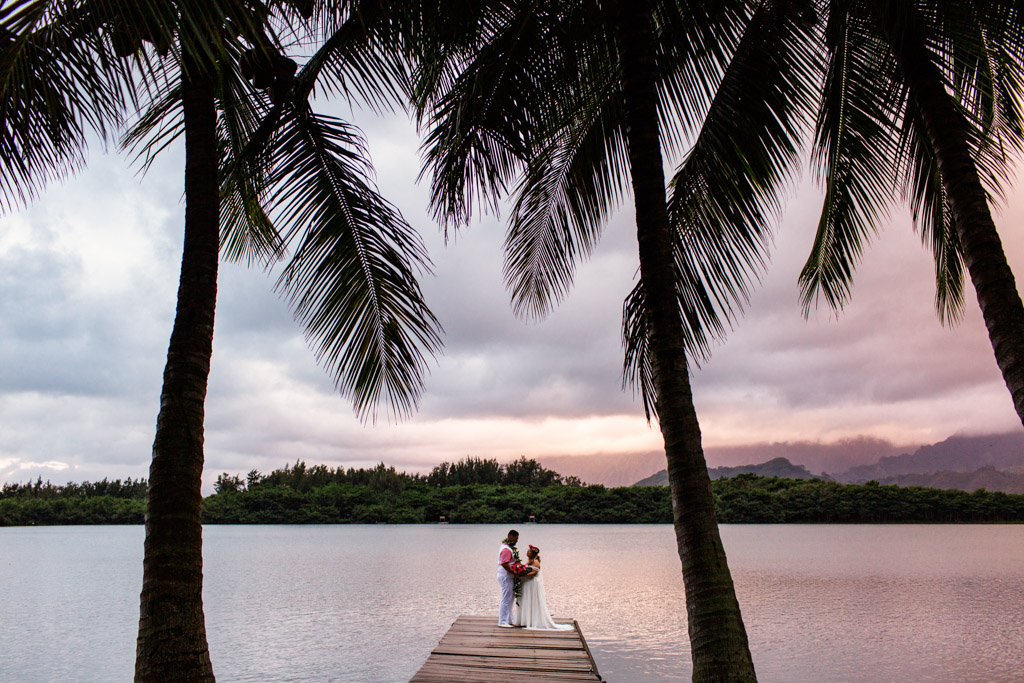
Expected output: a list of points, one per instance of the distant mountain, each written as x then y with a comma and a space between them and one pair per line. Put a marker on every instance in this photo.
988, 478
955, 454
857, 459
776, 467
817, 456
656, 479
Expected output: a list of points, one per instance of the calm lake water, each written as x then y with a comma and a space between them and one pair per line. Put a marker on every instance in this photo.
368, 603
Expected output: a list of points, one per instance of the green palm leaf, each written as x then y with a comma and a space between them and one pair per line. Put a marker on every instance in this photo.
574, 173
697, 41
247, 233
934, 220
70, 70
575, 178
361, 59
57, 88
351, 278
482, 126
982, 53
979, 56
856, 145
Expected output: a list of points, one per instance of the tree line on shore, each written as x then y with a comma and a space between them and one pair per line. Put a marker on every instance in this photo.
469, 470
479, 491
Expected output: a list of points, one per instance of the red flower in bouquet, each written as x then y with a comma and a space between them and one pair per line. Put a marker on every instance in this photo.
518, 569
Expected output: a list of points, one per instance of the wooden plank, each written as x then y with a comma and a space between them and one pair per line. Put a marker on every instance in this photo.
587, 648
537, 653
523, 646
476, 649
513, 641
514, 663
491, 629
458, 674
515, 633
477, 619
573, 660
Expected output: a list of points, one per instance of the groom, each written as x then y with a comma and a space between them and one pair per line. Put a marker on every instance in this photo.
506, 579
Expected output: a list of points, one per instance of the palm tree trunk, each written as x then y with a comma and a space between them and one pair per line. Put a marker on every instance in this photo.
172, 631
718, 639
982, 249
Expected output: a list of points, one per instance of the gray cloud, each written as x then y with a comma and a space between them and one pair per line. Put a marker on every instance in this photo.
88, 278
57, 338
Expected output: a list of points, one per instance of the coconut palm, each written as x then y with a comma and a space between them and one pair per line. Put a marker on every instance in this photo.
880, 66
570, 103
293, 183
920, 99
899, 87
545, 95
870, 143
923, 98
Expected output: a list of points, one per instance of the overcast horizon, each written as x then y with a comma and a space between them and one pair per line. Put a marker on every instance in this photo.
90, 273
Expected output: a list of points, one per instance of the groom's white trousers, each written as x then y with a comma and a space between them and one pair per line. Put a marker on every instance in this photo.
507, 583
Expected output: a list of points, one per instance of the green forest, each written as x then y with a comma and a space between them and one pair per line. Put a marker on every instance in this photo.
474, 491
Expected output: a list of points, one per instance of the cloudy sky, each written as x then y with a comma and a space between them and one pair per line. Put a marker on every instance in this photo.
89, 274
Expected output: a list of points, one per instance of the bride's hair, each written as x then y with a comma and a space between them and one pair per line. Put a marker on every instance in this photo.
534, 549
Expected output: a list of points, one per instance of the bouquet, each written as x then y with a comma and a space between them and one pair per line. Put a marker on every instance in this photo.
518, 569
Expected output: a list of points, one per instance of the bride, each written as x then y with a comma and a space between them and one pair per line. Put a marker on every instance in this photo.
533, 607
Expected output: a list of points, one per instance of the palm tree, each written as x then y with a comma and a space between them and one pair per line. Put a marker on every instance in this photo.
534, 87
567, 99
351, 274
918, 97
935, 87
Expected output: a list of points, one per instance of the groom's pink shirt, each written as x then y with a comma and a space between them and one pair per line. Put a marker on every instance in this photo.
505, 555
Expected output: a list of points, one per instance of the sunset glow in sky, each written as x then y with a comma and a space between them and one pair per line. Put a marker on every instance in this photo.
89, 276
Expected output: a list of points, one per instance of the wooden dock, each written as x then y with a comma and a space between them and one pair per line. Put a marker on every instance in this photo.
476, 649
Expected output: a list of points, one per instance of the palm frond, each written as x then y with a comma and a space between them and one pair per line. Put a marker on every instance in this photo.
856, 151
441, 38
994, 111
539, 95
956, 36
206, 27
351, 279
934, 220
636, 367
696, 42
57, 87
360, 60
158, 126
483, 123
573, 181
982, 58
247, 120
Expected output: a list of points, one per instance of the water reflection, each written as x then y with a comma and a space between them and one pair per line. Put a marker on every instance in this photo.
367, 603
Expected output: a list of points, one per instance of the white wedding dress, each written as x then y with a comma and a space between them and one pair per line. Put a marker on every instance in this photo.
532, 611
